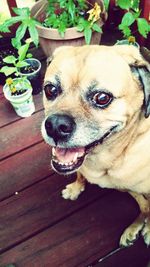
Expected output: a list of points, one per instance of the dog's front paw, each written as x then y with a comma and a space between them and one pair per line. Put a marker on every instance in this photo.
131, 234
146, 232
72, 191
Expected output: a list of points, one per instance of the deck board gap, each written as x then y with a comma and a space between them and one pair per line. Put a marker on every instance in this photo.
54, 223
21, 150
19, 119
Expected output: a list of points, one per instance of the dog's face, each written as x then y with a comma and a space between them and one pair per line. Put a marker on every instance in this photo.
90, 95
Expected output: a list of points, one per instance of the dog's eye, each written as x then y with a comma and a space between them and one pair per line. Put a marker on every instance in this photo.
102, 99
51, 91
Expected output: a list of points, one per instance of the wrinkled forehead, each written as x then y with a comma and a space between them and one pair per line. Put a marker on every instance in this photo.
107, 69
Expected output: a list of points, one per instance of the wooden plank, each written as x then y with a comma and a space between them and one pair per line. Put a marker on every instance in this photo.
22, 134
8, 115
134, 256
38, 207
95, 229
11, 3
145, 9
145, 13
24, 169
1, 89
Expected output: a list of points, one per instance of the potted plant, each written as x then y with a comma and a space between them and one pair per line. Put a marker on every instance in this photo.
5, 50
33, 74
18, 90
31, 70
132, 24
24, 23
68, 22
79, 20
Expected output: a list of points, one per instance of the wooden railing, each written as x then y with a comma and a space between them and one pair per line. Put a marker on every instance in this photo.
11, 3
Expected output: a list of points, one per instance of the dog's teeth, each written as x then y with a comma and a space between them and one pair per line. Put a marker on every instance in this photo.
53, 151
75, 157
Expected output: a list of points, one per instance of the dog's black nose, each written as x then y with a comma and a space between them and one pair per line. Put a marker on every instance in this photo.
60, 127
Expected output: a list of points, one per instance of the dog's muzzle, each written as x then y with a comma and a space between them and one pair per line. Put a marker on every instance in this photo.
65, 159
60, 127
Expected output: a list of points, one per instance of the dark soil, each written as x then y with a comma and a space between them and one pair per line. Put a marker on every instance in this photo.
28, 69
34, 79
20, 92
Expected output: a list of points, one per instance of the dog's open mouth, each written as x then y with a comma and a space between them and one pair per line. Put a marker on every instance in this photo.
67, 160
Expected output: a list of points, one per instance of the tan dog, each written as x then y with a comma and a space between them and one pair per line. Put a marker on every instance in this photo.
97, 103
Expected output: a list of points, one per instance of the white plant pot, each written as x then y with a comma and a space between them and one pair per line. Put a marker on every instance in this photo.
125, 41
23, 104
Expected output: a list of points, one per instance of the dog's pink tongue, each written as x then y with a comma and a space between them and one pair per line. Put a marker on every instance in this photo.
67, 155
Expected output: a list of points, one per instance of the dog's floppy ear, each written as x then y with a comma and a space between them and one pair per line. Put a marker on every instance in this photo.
143, 75
140, 67
49, 60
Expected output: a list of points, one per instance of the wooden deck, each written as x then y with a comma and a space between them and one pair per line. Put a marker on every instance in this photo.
38, 228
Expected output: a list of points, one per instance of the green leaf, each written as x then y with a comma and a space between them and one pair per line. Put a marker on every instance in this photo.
96, 28
106, 4
22, 12
143, 27
125, 29
10, 59
80, 28
33, 32
71, 9
22, 64
29, 55
136, 14
19, 35
15, 43
135, 5
22, 51
8, 70
124, 4
4, 27
128, 19
88, 35
26, 22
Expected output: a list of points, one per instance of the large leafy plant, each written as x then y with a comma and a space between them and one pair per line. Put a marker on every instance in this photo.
25, 23
14, 63
131, 20
62, 14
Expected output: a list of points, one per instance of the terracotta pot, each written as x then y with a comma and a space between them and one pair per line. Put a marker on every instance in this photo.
50, 39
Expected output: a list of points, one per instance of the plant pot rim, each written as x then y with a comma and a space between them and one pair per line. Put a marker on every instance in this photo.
125, 42
51, 33
35, 71
10, 97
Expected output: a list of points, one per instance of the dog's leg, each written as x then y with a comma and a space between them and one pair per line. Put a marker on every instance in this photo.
146, 229
132, 232
73, 190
